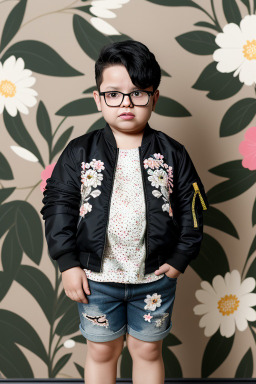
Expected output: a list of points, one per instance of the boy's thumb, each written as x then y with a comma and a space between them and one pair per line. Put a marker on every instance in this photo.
86, 288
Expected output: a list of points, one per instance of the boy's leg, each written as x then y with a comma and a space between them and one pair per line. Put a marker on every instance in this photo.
148, 365
101, 361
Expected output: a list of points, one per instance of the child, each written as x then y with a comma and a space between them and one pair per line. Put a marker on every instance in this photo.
123, 215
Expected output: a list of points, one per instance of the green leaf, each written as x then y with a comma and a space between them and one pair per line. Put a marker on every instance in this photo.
60, 364
247, 4
169, 107
238, 116
13, 328
44, 123
13, 363
231, 11
61, 142
220, 85
98, 124
19, 133
90, 40
7, 216
240, 180
217, 350
5, 193
175, 3
211, 261
84, 8
171, 364
245, 367
5, 169
252, 273
206, 25
40, 287
214, 218
41, 58
80, 370
69, 323
198, 42
251, 251
11, 254
79, 339
29, 230
62, 304
13, 23
78, 107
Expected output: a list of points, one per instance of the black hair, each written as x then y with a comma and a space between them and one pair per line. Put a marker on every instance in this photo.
140, 63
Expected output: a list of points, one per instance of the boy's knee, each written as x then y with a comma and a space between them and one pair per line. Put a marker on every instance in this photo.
105, 351
150, 351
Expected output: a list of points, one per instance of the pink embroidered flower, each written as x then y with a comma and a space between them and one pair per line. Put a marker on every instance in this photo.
45, 174
148, 317
85, 166
98, 165
151, 163
85, 208
158, 156
247, 148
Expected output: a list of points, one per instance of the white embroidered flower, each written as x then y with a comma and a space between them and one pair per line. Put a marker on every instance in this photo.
85, 208
153, 302
158, 178
238, 50
226, 304
91, 178
15, 82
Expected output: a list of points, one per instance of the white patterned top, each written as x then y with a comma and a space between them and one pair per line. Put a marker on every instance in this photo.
125, 251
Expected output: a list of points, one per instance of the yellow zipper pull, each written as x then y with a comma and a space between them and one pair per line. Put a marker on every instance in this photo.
197, 191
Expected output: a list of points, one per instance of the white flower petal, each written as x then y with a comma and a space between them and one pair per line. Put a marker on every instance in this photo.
28, 82
9, 63
247, 285
20, 64
227, 326
229, 59
69, 343
241, 321
250, 314
219, 286
102, 12
107, 4
21, 107
24, 153
247, 73
103, 27
200, 309
27, 99
231, 37
10, 107
248, 299
26, 91
248, 27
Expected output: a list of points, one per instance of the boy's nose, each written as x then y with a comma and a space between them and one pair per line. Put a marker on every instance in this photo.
127, 101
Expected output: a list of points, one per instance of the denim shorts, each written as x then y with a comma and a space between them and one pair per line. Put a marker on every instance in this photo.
143, 310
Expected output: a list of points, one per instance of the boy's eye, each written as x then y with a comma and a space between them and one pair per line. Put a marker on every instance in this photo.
112, 94
137, 93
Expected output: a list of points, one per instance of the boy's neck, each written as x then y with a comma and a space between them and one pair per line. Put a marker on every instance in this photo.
128, 140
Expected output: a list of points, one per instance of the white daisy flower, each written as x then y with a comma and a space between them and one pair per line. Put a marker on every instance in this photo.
238, 50
15, 82
153, 302
226, 304
159, 177
91, 178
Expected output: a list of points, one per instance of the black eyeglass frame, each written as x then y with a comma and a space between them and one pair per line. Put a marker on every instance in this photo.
150, 93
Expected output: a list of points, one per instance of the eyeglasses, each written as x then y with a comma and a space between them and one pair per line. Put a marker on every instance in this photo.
137, 98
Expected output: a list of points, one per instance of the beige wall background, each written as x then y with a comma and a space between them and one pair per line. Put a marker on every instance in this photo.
190, 351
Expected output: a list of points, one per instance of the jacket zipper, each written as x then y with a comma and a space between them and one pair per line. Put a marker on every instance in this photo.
145, 194
109, 209
197, 192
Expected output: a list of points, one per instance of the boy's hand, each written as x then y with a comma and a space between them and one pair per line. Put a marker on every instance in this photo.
173, 272
75, 284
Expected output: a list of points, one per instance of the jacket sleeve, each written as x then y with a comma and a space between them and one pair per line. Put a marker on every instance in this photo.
188, 204
61, 210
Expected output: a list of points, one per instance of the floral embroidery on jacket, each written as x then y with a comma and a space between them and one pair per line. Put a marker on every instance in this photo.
161, 177
91, 177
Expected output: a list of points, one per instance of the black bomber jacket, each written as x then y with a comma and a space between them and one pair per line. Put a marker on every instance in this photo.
77, 200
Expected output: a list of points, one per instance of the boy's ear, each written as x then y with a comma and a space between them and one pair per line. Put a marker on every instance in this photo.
155, 98
97, 99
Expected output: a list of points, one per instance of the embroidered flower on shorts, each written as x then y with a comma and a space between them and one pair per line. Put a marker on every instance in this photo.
161, 177
148, 317
91, 177
153, 302
159, 322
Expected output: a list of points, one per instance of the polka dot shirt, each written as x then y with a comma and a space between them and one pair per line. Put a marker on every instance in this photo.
125, 251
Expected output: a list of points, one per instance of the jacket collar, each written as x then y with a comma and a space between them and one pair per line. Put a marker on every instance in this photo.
147, 135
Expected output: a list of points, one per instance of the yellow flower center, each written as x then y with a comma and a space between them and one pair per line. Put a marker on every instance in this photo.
7, 88
154, 301
228, 304
250, 50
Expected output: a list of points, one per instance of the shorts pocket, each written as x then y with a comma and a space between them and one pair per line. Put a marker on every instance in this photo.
170, 278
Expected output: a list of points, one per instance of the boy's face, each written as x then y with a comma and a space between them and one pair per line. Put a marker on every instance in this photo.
116, 78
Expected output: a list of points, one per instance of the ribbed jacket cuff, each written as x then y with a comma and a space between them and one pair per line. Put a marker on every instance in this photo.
67, 261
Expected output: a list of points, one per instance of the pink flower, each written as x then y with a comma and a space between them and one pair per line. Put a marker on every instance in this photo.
45, 174
247, 148
148, 317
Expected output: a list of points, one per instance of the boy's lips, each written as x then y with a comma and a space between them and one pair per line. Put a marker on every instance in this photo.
126, 116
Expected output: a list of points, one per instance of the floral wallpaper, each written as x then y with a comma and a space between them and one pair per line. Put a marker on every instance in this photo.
207, 52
